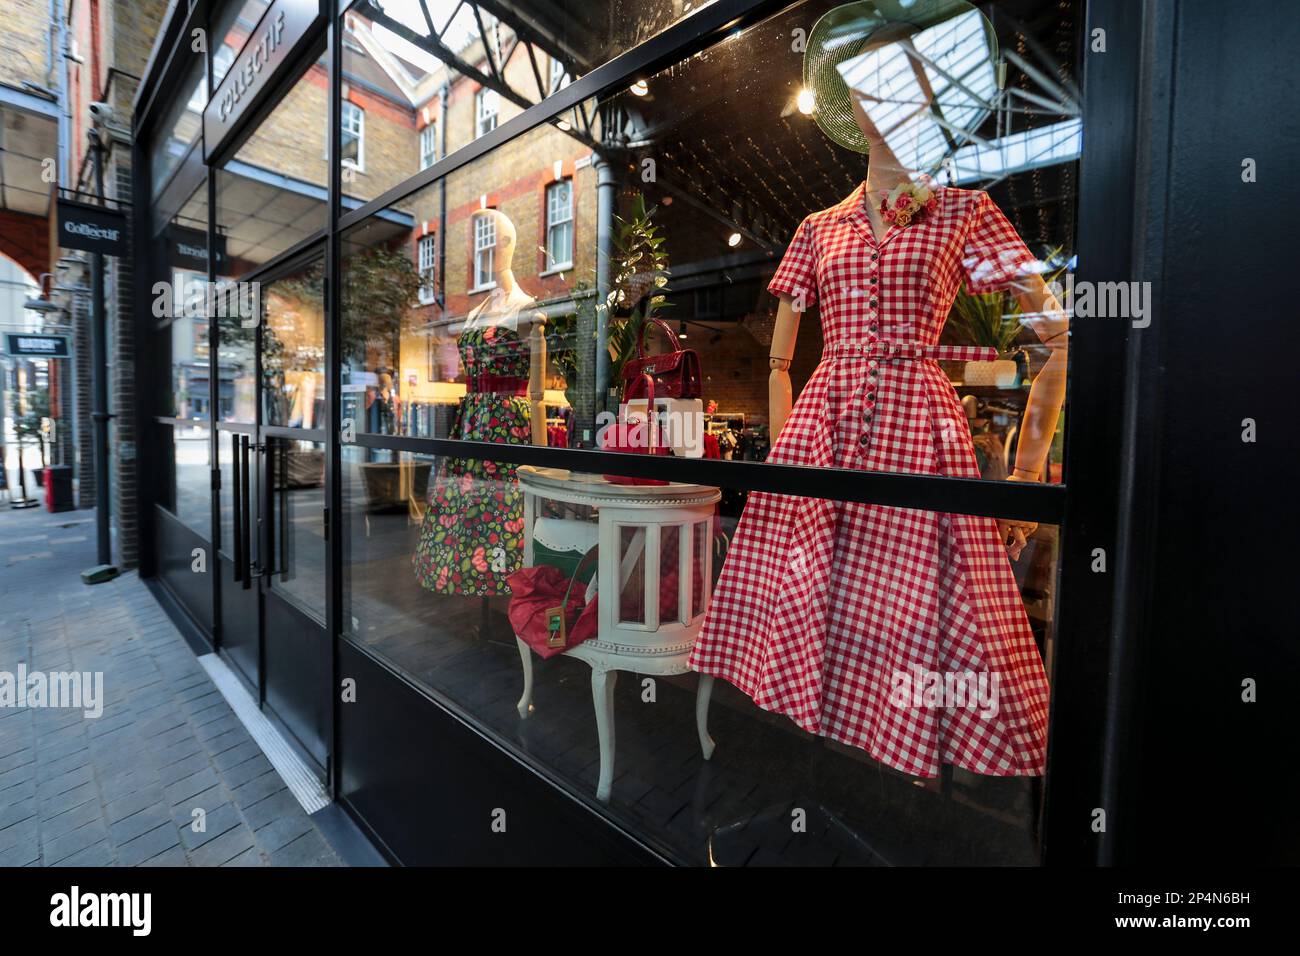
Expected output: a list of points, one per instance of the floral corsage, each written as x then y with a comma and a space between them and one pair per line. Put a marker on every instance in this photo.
907, 203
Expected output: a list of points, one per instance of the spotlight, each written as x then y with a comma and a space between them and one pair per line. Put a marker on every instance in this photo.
733, 240
639, 88
805, 102
681, 330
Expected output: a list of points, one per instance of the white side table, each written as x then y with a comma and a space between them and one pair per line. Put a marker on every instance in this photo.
635, 524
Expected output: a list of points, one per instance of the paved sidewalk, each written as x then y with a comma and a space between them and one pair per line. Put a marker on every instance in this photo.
123, 789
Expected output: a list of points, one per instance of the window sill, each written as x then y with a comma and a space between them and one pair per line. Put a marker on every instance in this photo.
481, 288
556, 270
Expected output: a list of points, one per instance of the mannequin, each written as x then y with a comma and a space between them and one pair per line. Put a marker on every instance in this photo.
844, 615
506, 306
1038, 306
471, 535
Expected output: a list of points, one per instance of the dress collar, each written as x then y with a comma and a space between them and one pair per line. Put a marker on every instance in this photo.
852, 202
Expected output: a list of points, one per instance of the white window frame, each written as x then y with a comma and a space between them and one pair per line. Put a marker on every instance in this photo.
487, 107
428, 145
558, 218
485, 246
426, 250
351, 110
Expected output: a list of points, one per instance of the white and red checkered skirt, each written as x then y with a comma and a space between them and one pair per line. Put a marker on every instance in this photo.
839, 614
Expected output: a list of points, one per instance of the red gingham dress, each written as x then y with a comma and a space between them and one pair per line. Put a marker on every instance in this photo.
821, 605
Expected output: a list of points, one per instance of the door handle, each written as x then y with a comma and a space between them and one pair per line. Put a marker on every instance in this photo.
237, 507
246, 518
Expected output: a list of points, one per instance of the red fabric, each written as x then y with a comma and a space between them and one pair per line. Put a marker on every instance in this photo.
557, 436
533, 592
498, 384
711, 447
822, 605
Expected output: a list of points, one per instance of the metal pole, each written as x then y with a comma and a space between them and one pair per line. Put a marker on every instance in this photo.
606, 200
99, 371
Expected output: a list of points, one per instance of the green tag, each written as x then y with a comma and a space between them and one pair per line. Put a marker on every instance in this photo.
555, 627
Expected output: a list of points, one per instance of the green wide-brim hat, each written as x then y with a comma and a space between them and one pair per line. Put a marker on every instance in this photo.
851, 29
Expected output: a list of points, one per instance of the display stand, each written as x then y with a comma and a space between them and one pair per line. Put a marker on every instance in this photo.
637, 525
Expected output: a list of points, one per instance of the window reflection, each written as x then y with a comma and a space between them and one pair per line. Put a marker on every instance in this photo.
293, 350
272, 194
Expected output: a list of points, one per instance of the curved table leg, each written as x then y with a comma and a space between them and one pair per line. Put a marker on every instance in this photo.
525, 705
602, 695
702, 694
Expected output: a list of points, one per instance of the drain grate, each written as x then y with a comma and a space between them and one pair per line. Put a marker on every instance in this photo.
305, 785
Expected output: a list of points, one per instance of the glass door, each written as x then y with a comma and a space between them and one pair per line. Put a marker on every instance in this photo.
272, 502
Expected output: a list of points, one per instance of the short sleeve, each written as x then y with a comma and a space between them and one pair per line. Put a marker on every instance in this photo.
797, 274
993, 256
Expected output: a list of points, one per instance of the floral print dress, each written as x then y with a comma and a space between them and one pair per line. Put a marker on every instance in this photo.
471, 539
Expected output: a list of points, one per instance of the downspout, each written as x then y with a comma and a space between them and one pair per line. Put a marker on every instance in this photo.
606, 199
443, 95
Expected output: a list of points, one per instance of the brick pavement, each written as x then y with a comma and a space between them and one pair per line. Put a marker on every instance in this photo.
123, 789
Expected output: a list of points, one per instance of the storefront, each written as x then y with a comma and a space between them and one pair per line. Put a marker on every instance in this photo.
397, 265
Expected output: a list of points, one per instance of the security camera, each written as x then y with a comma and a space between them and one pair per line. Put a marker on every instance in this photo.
101, 112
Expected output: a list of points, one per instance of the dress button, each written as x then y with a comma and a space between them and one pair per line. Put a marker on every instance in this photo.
873, 280
872, 303
864, 440
875, 256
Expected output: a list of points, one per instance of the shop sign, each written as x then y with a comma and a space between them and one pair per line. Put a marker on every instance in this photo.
42, 346
276, 38
188, 249
92, 228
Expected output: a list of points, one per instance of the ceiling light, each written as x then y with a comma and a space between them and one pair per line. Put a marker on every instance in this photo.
563, 125
681, 330
639, 88
733, 240
805, 102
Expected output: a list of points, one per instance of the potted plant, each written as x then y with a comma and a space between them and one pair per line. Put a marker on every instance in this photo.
990, 320
28, 427
637, 288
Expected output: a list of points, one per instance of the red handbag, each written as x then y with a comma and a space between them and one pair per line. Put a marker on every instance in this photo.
674, 374
545, 613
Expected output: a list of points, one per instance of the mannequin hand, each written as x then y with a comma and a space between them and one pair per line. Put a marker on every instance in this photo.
1014, 534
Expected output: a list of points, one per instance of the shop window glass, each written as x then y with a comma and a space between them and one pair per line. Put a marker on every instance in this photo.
232, 28
431, 542
293, 349
297, 565
412, 64
272, 194
431, 319
721, 208
721, 211
179, 127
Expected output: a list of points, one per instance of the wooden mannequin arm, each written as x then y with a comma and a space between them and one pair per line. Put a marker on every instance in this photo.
780, 396
1047, 393
537, 374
